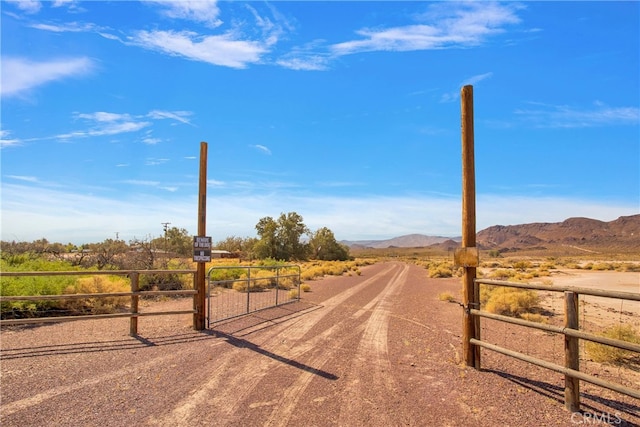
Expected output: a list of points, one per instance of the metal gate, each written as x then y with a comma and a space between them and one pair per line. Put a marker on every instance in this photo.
234, 291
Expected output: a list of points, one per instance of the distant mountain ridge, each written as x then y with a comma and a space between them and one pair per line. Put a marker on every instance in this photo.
623, 233
407, 241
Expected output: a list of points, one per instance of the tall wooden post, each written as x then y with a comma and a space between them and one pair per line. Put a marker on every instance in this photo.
470, 294
200, 284
571, 353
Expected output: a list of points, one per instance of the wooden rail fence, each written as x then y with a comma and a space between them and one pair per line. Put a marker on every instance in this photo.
135, 294
572, 335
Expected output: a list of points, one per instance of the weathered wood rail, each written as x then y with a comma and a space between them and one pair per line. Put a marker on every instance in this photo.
572, 335
135, 294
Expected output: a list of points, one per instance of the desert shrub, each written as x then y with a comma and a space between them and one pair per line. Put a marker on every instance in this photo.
440, 271
534, 317
260, 280
305, 288
522, 265
491, 264
294, 294
94, 285
501, 274
287, 282
602, 266
510, 301
446, 296
606, 354
327, 268
629, 267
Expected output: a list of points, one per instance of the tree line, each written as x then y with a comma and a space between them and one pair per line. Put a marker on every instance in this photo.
286, 238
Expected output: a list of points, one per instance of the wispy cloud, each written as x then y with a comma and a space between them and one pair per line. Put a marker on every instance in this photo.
224, 49
6, 141
141, 182
450, 25
203, 11
27, 6
453, 96
23, 178
152, 161
69, 27
180, 116
103, 123
564, 116
20, 75
262, 148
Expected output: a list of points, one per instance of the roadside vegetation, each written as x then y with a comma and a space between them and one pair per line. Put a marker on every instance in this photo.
281, 241
612, 355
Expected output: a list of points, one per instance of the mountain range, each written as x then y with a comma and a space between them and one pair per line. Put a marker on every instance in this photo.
622, 233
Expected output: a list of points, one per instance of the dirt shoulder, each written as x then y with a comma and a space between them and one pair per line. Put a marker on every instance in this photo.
379, 349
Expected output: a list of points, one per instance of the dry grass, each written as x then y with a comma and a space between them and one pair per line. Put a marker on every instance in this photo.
606, 354
446, 296
98, 284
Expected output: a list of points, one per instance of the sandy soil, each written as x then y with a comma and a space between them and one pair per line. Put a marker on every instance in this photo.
378, 349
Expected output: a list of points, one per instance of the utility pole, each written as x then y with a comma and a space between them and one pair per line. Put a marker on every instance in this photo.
165, 226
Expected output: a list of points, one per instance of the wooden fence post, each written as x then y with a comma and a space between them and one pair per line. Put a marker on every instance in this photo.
470, 294
571, 353
133, 321
199, 299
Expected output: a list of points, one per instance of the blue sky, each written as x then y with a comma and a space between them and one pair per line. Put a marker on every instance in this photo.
347, 113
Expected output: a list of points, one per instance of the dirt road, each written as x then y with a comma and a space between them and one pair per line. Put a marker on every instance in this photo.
378, 349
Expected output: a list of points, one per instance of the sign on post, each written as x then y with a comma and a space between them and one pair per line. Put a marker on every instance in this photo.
201, 249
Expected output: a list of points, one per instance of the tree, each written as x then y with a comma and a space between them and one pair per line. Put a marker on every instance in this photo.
267, 246
281, 239
176, 241
238, 245
324, 246
290, 230
105, 254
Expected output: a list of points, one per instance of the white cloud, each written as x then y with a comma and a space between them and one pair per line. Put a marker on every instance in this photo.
20, 75
110, 128
455, 95
6, 141
153, 161
243, 44
102, 116
81, 218
105, 123
69, 27
224, 50
564, 116
27, 6
312, 62
262, 148
204, 11
23, 178
447, 25
180, 116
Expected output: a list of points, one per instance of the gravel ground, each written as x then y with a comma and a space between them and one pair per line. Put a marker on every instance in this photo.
379, 349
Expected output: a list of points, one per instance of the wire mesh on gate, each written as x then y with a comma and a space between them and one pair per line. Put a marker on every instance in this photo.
234, 291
